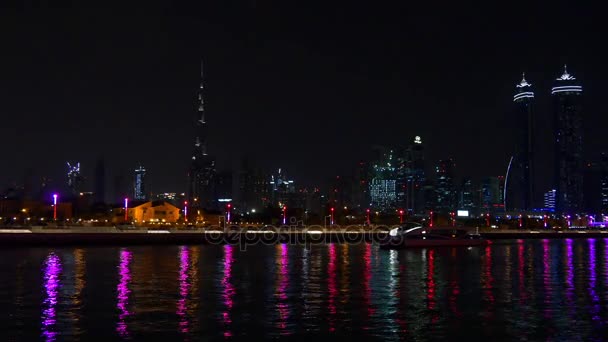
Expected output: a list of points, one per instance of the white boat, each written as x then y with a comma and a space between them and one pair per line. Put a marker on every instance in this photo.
415, 235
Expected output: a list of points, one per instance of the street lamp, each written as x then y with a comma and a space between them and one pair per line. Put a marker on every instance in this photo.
431, 220
368, 221
400, 215
284, 214
332, 216
185, 211
55, 207
126, 209
228, 206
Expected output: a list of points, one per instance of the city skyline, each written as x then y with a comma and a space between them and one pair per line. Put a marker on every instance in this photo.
265, 109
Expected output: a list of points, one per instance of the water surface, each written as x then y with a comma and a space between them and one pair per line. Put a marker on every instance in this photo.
510, 290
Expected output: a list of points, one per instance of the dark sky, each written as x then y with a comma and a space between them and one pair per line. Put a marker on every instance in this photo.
289, 83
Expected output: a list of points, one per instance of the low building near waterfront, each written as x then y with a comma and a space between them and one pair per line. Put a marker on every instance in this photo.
151, 211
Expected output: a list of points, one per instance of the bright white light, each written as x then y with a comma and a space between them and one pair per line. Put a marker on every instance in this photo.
463, 213
417, 140
563, 89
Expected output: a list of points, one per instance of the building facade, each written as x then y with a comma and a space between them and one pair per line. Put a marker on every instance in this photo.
444, 188
568, 135
139, 184
523, 172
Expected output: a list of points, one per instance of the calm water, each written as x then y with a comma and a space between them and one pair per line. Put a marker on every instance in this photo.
515, 290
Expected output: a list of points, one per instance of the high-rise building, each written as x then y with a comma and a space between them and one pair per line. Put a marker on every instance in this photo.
549, 200
466, 195
383, 183
139, 184
253, 188
202, 172
568, 135
415, 177
282, 189
446, 193
523, 170
74, 178
491, 193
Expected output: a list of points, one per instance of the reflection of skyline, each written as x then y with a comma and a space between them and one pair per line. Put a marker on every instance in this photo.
52, 270
122, 292
329, 288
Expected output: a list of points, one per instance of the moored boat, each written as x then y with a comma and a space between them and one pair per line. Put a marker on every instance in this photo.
415, 235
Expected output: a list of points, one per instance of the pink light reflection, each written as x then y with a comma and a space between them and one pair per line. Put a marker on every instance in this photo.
122, 292
52, 270
229, 289
332, 288
184, 288
520, 271
282, 286
487, 276
367, 277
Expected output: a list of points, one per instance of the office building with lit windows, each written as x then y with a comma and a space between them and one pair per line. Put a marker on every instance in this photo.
139, 192
383, 183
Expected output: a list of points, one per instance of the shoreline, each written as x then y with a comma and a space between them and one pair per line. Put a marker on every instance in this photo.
10, 236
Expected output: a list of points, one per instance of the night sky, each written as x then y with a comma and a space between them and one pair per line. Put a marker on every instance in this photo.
306, 87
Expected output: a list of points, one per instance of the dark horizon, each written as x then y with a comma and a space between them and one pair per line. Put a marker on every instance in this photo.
309, 88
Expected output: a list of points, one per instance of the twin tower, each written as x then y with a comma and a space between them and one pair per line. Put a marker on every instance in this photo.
567, 178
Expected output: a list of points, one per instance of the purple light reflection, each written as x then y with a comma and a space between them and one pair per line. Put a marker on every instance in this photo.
546, 279
569, 271
184, 288
229, 289
122, 292
595, 300
52, 270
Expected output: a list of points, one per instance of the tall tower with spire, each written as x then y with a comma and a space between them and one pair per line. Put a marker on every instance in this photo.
568, 134
522, 180
202, 172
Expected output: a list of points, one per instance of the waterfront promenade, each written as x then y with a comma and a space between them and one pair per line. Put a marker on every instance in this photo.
239, 235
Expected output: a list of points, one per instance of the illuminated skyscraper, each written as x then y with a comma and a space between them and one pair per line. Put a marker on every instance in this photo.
139, 183
383, 183
446, 193
567, 101
75, 178
202, 172
522, 179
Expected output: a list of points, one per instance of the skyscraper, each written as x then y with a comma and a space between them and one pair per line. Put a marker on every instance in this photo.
446, 194
75, 178
202, 172
568, 134
523, 180
139, 184
383, 183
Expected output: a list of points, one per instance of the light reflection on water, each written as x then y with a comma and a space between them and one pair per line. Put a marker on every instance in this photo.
526, 289
52, 270
122, 292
